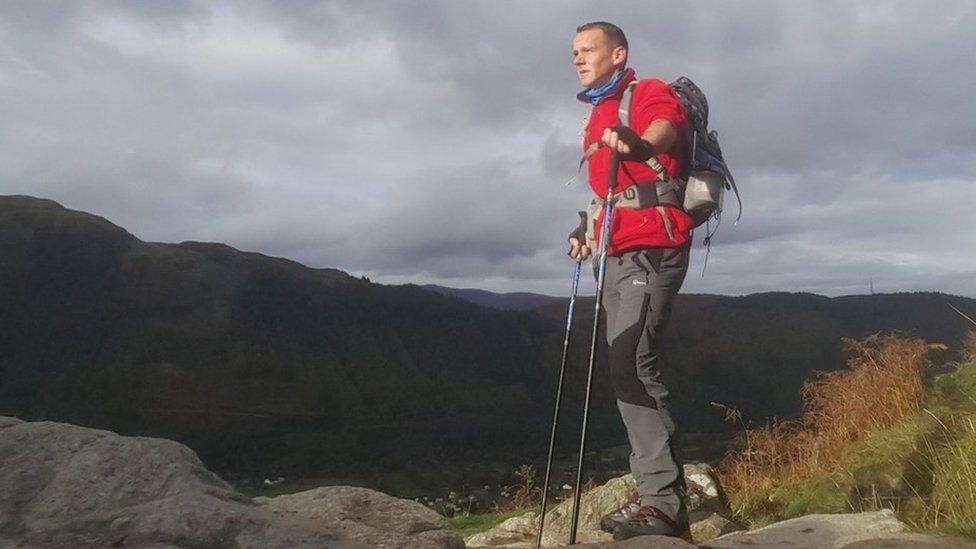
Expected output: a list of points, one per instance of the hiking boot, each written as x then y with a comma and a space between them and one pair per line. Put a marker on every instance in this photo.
651, 521
610, 522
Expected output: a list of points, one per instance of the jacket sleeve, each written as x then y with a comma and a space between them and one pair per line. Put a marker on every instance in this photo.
655, 100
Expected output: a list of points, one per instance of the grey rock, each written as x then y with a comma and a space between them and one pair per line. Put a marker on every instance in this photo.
515, 533
704, 492
642, 542
67, 486
593, 506
519, 532
711, 527
816, 532
913, 541
373, 518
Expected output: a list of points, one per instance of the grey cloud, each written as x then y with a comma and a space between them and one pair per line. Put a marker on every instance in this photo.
432, 141
558, 158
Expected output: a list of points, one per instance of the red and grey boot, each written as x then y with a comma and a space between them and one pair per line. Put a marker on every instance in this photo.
610, 522
651, 521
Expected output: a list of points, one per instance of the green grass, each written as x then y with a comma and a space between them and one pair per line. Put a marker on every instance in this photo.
957, 388
954, 494
473, 524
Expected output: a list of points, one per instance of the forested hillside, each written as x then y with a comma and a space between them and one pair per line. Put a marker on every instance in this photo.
207, 344
258, 361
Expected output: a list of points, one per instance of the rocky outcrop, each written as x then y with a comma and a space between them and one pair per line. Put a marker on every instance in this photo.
875, 530
816, 531
63, 486
66, 486
371, 517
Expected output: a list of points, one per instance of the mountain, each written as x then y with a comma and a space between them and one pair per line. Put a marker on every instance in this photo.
261, 363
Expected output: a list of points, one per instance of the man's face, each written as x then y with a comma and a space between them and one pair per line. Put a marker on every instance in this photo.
595, 60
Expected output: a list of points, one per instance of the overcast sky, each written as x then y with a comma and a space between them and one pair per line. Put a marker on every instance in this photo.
432, 142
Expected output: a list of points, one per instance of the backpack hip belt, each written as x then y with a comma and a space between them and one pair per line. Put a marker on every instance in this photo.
647, 194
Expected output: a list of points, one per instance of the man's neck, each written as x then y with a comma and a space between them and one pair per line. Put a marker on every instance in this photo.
596, 94
611, 78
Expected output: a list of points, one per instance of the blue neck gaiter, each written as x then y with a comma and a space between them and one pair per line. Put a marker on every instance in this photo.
595, 95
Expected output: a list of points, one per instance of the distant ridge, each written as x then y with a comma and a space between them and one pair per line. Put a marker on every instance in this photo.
511, 301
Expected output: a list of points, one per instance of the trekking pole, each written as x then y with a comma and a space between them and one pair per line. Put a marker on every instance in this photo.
559, 394
604, 239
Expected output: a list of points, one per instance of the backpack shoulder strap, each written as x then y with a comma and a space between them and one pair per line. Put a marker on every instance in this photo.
623, 114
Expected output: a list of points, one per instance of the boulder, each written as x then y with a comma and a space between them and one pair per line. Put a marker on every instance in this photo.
593, 506
521, 531
816, 531
711, 527
67, 486
704, 492
373, 518
515, 533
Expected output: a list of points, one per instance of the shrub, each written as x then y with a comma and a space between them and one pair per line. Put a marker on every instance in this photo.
524, 493
882, 387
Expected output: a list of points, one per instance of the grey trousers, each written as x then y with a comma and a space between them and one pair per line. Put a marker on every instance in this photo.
638, 292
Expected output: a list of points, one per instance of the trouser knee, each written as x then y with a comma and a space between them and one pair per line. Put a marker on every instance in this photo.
627, 384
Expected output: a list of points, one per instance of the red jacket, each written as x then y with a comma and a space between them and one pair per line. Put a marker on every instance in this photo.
634, 229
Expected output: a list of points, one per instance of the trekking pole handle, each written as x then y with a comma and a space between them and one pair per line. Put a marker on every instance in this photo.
608, 203
612, 173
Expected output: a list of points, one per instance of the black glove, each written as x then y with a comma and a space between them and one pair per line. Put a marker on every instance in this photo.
579, 233
640, 150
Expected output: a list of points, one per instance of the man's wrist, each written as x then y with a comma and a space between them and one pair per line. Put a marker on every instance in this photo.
641, 150
644, 152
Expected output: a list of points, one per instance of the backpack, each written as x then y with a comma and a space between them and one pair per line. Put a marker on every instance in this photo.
708, 174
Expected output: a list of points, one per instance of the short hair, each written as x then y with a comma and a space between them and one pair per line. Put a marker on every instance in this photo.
613, 33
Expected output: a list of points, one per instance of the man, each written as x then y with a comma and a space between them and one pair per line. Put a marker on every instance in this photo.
647, 261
